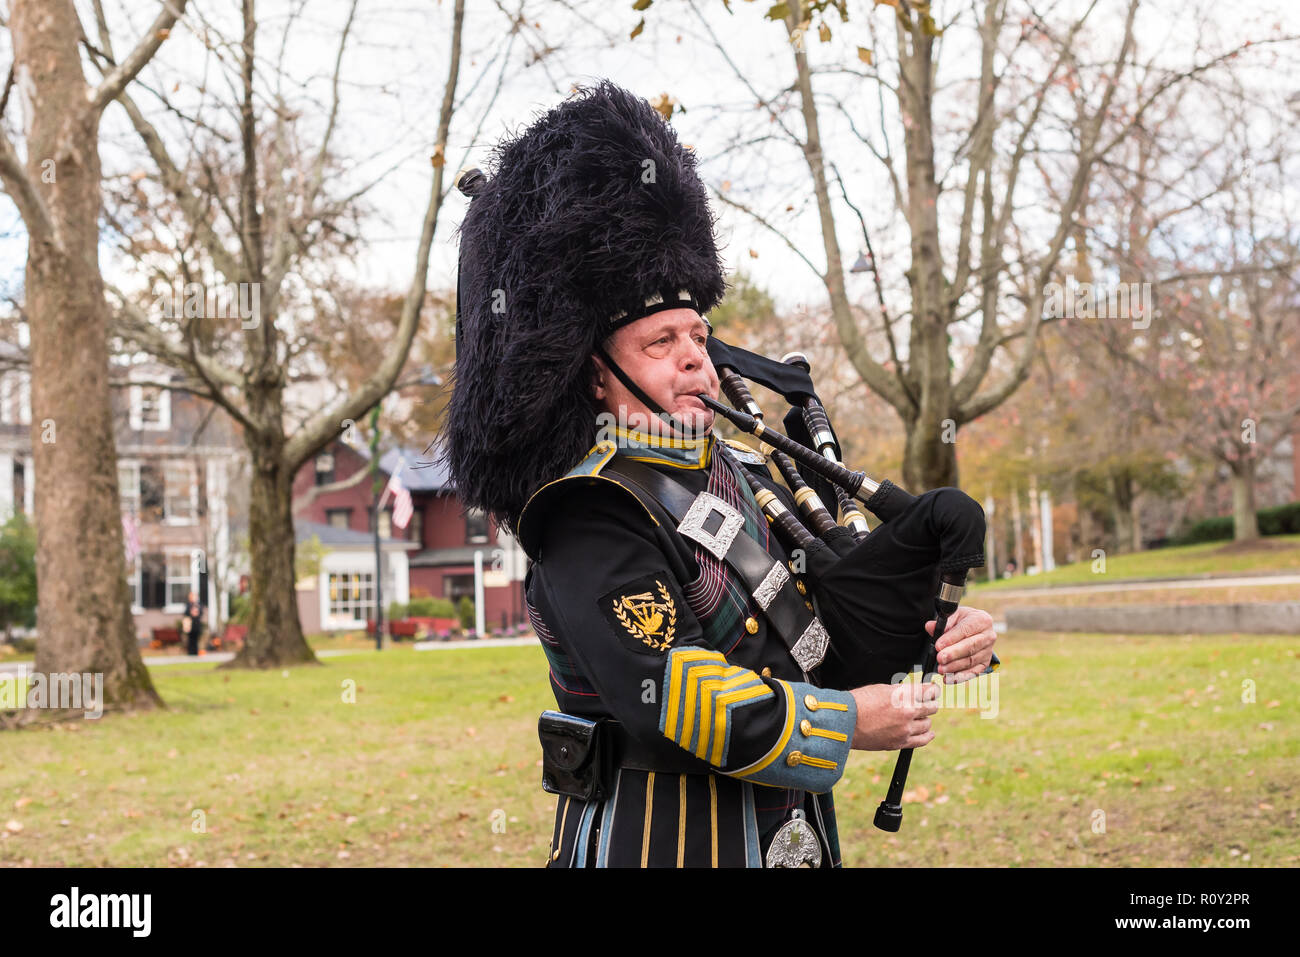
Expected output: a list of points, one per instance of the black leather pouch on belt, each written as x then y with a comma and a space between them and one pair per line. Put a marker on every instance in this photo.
577, 756
581, 756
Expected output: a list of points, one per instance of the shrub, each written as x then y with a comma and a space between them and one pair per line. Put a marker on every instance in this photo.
397, 611
241, 610
466, 611
426, 607
1279, 520
17, 573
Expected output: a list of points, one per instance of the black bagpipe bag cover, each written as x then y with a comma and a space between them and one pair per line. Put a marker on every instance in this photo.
876, 600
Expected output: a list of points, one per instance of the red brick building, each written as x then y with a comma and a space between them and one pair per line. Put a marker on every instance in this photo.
445, 535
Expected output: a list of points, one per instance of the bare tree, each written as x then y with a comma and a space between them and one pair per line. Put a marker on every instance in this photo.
262, 239
990, 179
1211, 218
85, 608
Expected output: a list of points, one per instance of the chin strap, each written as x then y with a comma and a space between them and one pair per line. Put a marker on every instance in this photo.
686, 431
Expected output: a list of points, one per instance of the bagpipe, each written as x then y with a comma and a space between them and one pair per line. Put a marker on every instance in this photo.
875, 589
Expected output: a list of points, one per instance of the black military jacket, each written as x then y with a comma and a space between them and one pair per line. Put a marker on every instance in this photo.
645, 626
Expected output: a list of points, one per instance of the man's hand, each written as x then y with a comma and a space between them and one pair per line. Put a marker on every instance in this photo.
966, 648
892, 717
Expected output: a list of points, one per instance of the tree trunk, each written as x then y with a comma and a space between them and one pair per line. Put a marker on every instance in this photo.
1084, 529
990, 539
930, 455
1049, 529
274, 632
84, 608
1135, 521
1036, 524
928, 461
1245, 523
1121, 502
1017, 531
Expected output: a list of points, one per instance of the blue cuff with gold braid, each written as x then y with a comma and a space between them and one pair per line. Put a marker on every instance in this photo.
814, 745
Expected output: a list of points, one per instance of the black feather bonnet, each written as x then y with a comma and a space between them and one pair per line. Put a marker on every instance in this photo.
589, 217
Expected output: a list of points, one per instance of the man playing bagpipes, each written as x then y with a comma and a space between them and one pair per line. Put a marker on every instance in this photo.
710, 679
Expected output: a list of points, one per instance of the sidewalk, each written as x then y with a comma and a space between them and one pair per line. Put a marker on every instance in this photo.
216, 657
1151, 584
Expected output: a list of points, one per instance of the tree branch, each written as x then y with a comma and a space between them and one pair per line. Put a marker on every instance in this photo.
41, 226
115, 82
316, 491
322, 427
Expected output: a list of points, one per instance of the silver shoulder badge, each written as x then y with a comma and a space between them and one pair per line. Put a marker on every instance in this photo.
743, 453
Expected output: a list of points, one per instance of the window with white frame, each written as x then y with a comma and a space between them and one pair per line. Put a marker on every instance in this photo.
385, 521
476, 526
15, 398
352, 595
180, 492
180, 577
133, 582
128, 485
151, 408
324, 468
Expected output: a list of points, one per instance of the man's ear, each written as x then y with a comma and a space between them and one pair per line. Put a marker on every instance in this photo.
597, 380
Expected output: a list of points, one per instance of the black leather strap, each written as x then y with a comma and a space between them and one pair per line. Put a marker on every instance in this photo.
631, 753
787, 614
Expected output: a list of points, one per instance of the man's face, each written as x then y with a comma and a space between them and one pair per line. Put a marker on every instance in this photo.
664, 354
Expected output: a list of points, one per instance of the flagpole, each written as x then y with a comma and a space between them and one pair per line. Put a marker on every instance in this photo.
379, 499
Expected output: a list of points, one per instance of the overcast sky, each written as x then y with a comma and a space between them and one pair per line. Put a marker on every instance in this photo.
396, 63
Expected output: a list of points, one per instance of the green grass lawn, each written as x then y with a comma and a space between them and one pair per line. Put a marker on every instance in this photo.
437, 763
1275, 553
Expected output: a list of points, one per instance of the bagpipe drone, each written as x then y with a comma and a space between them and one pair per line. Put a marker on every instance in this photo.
875, 590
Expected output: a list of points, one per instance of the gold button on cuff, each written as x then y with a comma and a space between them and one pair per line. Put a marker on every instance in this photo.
556, 855
794, 759
806, 727
810, 702
794, 567
800, 585
751, 625
809, 604
766, 672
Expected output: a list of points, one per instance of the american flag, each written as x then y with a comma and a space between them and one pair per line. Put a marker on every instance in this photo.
403, 508
131, 532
